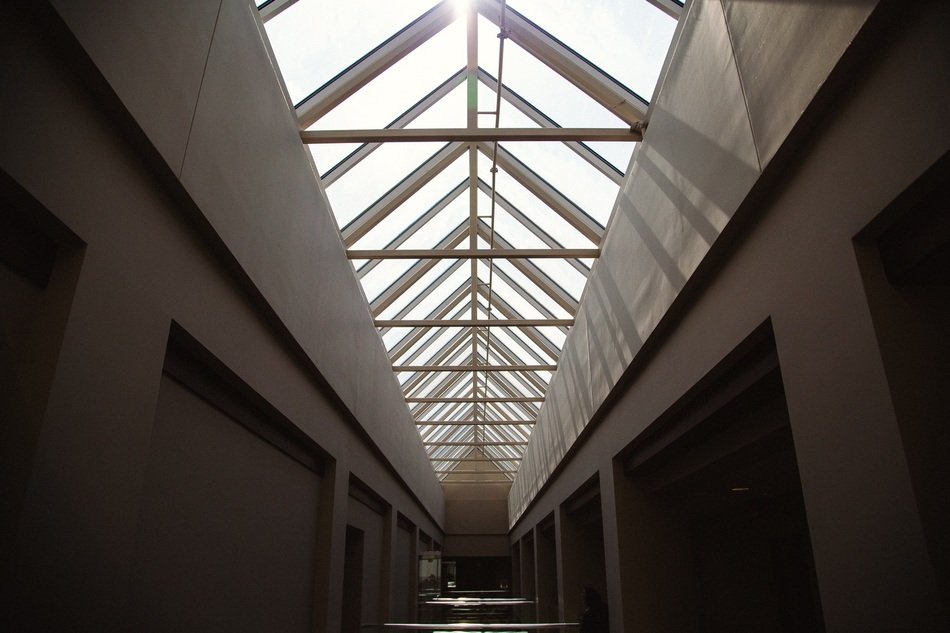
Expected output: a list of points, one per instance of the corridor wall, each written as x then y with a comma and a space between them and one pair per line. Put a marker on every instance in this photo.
723, 229
150, 161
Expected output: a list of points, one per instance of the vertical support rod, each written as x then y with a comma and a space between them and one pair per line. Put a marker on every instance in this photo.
471, 69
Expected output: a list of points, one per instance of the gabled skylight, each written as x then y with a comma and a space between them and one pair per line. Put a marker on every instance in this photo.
539, 206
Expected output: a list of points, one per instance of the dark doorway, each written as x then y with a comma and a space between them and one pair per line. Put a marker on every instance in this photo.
547, 572
720, 470
479, 574
352, 580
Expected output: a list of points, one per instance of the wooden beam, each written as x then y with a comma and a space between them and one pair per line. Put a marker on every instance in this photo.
415, 368
473, 322
470, 422
474, 459
606, 90
474, 399
485, 627
374, 63
494, 471
471, 135
476, 253
438, 444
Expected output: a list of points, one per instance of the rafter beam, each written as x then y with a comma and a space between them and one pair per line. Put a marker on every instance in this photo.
473, 322
374, 63
477, 253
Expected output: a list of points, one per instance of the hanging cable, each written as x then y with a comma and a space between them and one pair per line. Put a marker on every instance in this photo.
502, 36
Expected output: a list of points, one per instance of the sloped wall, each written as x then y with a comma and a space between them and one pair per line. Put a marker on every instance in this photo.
739, 76
197, 78
152, 144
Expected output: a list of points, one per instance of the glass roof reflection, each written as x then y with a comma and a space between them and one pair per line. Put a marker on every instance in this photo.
480, 382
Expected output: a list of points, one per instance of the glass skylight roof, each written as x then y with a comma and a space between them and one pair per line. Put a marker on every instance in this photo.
474, 386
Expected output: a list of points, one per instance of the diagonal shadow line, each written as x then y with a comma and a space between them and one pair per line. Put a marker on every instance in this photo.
697, 157
680, 200
663, 258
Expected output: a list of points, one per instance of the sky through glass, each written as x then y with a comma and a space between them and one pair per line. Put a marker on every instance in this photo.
474, 388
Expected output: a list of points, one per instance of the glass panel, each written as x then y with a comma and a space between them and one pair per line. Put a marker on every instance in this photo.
626, 39
558, 98
384, 274
330, 38
313, 41
409, 211
586, 187
379, 172
438, 294
539, 213
402, 85
617, 153
448, 112
567, 276
327, 155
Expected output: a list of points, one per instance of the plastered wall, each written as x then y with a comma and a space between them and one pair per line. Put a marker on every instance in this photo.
198, 81
157, 139
738, 77
774, 229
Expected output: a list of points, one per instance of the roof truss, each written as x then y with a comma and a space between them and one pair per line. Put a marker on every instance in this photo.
475, 323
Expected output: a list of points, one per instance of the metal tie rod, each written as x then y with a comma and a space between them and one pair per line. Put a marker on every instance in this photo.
492, 443
478, 422
473, 322
463, 368
470, 135
433, 458
470, 399
476, 253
